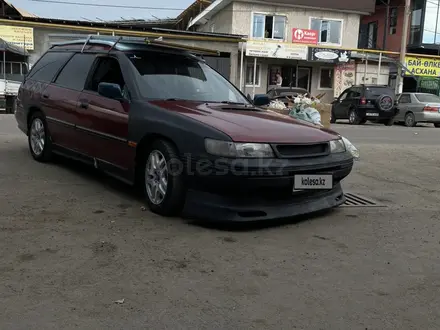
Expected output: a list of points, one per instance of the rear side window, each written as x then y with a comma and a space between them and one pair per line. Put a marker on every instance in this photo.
74, 74
428, 98
374, 92
47, 67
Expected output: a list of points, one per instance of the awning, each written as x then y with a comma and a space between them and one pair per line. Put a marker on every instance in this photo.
8, 47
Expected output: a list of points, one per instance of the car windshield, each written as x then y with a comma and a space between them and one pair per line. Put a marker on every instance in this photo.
428, 98
168, 76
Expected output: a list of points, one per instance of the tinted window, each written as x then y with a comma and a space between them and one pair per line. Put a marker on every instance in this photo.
405, 98
378, 91
46, 68
108, 70
165, 76
428, 98
74, 74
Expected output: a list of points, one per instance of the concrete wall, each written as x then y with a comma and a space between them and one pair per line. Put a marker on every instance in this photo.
220, 23
241, 21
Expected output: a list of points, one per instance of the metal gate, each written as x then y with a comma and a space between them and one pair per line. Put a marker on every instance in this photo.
428, 85
221, 64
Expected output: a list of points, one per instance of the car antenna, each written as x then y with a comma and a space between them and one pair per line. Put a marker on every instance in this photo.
113, 46
85, 44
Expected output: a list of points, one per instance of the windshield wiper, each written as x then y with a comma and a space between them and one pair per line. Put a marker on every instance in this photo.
236, 103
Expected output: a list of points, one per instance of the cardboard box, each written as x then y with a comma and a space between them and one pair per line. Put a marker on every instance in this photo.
325, 110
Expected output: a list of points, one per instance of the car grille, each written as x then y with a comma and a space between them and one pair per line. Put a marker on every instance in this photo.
302, 150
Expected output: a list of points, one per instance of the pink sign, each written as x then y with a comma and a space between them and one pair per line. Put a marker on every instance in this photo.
304, 36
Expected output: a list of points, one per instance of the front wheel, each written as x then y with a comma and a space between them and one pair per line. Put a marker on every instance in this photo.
163, 179
40, 144
332, 117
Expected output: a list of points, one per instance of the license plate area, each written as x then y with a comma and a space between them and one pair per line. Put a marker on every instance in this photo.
372, 114
312, 182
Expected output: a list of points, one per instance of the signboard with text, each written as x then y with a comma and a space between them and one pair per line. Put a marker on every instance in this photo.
422, 66
304, 36
344, 77
328, 55
19, 36
275, 50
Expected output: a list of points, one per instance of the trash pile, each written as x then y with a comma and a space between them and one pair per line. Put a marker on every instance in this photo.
304, 107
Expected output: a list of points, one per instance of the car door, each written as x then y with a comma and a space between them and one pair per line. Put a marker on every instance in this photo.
65, 92
339, 105
404, 101
105, 120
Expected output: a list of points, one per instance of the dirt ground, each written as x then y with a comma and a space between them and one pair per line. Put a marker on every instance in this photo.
72, 243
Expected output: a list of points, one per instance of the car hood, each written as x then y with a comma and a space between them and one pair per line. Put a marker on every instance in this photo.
243, 124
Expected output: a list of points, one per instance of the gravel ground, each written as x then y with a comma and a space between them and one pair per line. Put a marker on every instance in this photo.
73, 242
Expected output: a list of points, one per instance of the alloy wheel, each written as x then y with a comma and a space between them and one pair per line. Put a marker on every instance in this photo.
37, 136
156, 177
409, 120
352, 117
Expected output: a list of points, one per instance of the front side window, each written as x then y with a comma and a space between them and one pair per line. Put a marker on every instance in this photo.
330, 31
405, 98
268, 26
175, 76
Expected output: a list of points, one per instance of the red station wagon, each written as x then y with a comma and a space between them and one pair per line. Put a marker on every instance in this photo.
151, 114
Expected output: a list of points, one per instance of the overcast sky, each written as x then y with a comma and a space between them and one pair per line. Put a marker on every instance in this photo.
78, 12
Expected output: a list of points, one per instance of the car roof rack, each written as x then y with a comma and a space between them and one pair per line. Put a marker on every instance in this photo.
114, 41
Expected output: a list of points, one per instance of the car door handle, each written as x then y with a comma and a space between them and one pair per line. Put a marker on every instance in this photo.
83, 105
46, 96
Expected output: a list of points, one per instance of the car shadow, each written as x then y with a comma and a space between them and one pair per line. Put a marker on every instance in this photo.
249, 226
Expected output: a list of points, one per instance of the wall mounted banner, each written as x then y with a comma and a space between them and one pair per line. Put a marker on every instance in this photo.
276, 50
328, 55
422, 66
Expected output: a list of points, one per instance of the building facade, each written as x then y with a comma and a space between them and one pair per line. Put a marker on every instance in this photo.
295, 29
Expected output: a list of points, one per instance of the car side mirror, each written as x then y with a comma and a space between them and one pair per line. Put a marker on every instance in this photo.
261, 100
112, 91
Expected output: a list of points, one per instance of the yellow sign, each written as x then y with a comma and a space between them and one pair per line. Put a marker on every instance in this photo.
18, 36
422, 66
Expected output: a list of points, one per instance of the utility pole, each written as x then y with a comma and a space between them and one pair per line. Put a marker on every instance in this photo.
403, 45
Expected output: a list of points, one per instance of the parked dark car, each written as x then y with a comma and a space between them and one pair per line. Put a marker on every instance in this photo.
281, 93
160, 117
366, 102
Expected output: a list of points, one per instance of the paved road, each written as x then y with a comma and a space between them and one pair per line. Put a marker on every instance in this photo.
72, 243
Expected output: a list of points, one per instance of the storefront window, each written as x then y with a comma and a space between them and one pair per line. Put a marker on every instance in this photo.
250, 75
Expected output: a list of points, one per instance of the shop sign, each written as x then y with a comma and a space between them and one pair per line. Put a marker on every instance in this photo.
329, 55
276, 50
19, 36
305, 36
420, 66
344, 77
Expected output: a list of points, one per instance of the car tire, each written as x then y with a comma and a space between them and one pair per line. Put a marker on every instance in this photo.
332, 117
39, 139
363, 121
410, 120
353, 118
163, 179
437, 125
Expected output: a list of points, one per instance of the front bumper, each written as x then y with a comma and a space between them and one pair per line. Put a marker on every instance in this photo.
254, 195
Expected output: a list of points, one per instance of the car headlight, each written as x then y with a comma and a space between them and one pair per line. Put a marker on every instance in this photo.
351, 148
337, 146
238, 150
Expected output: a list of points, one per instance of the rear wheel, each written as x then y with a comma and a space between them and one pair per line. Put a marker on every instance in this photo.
410, 120
353, 118
437, 125
40, 144
163, 179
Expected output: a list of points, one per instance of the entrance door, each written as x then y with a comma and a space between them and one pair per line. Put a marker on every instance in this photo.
304, 77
